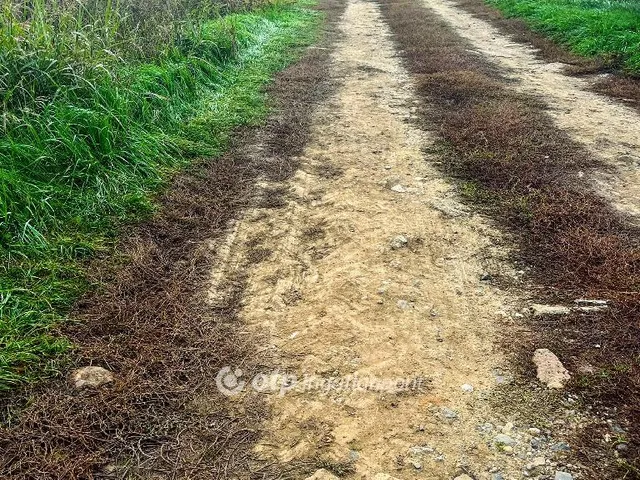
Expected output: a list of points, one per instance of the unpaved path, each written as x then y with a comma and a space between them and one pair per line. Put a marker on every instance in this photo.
606, 127
338, 300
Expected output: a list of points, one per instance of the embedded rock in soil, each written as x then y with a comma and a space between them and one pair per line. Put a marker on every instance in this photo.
540, 310
91, 377
550, 370
502, 439
399, 242
322, 474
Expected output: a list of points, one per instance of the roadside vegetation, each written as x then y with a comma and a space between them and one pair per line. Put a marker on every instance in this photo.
101, 103
608, 30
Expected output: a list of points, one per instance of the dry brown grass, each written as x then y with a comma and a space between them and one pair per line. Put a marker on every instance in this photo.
517, 166
150, 323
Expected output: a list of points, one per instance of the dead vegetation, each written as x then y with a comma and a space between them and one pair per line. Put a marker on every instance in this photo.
150, 323
514, 163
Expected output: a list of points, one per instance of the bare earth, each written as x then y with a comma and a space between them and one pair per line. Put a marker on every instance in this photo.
342, 295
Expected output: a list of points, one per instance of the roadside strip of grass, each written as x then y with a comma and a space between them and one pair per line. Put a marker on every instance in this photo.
77, 171
153, 322
622, 84
516, 166
609, 30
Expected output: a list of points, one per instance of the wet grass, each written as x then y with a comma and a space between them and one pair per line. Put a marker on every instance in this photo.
87, 141
609, 30
152, 323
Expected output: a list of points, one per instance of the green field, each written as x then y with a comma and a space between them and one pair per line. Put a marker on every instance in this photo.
98, 110
607, 29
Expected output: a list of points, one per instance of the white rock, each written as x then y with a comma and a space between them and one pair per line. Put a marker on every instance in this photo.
322, 474
502, 439
592, 308
399, 242
563, 476
550, 370
467, 388
403, 304
91, 377
464, 476
540, 310
536, 462
384, 476
585, 302
398, 189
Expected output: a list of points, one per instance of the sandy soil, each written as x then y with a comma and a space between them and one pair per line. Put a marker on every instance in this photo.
607, 128
342, 295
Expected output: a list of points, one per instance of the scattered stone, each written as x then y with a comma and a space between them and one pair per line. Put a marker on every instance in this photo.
421, 450
464, 476
502, 439
485, 277
387, 167
563, 476
592, 309
534, 431
91, 377
399, 242
507, 449
403, 304
560, 447
467, 388
584, 302
540, 310
322, 474
449, 208
449, 414
384, 476
497, 476
550, 370
536, 463
398, 188
416, 464
621, 447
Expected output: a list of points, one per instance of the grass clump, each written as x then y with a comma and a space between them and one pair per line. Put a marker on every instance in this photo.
606, 29
100, 103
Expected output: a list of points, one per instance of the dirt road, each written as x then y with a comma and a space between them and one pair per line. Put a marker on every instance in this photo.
359, 287
373, 269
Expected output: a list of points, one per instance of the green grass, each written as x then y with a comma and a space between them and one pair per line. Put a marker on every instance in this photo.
607, 29
85, 145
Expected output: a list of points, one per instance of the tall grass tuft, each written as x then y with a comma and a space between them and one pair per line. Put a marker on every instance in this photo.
100, 102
